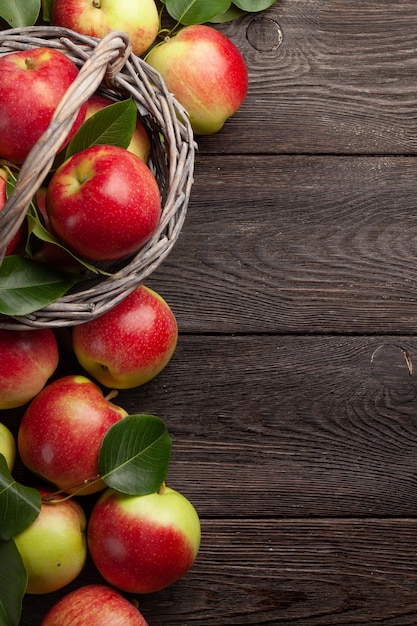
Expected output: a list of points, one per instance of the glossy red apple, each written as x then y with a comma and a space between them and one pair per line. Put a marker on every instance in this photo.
130, 344
140, 143
138, 18
53, 547
61, 432
206, 72
28, 360
103, 203
32, 83
94, 605
142, 544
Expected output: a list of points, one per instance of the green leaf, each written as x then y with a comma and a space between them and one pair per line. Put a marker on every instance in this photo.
47, 10
252, 6
189, 12
134, 454
13, 581
26, 286
232, 14
19, 505
20, 12
112, 125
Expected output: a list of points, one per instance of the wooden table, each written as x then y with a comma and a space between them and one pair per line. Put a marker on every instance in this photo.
292, 396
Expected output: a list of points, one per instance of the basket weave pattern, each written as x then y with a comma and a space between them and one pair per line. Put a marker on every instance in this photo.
106, 65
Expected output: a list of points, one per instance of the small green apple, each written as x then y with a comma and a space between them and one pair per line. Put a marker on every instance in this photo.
7, 446
53, 548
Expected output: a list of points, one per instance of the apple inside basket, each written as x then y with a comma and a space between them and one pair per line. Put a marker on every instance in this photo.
159, 180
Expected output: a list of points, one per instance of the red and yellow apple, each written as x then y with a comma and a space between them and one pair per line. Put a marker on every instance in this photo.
138, 18
53, 548
93, 605
130, 344
206, 72
28, 360
32, 83
142, 544
61, 431
140, 143
103, 203
7, 446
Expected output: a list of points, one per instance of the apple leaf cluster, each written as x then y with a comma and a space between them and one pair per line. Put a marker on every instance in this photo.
133, 459
19, 13
26, 285
188, 12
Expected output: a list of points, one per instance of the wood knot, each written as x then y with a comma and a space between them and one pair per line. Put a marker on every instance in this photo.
264, 34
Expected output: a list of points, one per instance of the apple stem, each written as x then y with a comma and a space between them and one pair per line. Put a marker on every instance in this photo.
29, 63
79, 487
112, 394
97, 4
162, 488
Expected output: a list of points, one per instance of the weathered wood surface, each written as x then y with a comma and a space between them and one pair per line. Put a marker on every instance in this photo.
292, 396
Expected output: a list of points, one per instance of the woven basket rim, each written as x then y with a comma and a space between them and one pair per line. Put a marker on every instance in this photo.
107, 65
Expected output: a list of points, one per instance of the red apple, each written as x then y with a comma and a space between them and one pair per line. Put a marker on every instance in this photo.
53, 548
93, 605
32, 83
103, 203
140, 143
28, 360
130, 344
16, 243
143, 544
206, 72
61, 431
138, 18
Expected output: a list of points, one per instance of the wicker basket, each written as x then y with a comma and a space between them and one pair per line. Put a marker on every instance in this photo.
109, 66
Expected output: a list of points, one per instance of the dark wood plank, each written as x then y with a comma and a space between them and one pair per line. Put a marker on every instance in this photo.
342, 80
310, 573
296, 244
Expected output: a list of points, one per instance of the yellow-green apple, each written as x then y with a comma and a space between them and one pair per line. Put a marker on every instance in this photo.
28, 360
61, 431
54, 547
130, 344
138, 18
142, 544
140, 143
16, 243
94, 605
7, 446
206, 72
103, 203
32, 83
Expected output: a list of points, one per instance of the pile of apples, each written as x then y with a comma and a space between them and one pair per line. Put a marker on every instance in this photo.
139, 543
99, 204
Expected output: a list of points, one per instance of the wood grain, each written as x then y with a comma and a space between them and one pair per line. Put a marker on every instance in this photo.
306, 572
297, 244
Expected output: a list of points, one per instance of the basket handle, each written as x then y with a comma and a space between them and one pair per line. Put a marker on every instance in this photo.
108, 56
